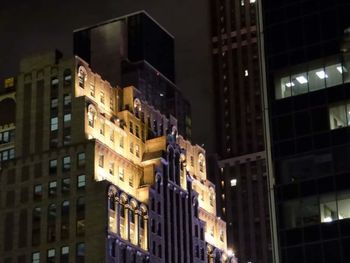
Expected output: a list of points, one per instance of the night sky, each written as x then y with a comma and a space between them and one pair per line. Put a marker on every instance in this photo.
33, 26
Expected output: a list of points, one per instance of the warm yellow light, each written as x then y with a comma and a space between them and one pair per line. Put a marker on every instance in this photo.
230, 253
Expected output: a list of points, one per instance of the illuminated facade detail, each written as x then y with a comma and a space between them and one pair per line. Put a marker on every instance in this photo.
106, 201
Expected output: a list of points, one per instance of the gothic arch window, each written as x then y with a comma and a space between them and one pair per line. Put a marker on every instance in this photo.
137, 107
123, 216
92, 113
112, 192
133, 225
143, 227
112, 209
82, 76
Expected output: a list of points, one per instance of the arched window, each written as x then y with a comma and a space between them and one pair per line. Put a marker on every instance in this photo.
82, 76
91, 115
137, 107
112, 223
123, 217
133, 225
143, 227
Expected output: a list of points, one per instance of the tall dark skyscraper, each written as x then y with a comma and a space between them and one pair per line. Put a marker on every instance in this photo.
307, 89
241, 169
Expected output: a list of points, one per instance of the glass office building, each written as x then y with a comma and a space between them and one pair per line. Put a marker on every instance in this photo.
308, 90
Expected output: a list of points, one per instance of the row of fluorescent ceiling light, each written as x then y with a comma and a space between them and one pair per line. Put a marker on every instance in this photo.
321, 74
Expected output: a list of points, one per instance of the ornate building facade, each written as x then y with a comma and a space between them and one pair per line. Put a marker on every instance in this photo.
98, 174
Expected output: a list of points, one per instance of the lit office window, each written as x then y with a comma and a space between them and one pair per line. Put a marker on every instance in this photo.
66, 163
51, 256
67, 119
319, 77
328, 208
54, 124
233, 182
81, 181
343, 203
67, 100
339, 115
81, 159
36, 257
52, 188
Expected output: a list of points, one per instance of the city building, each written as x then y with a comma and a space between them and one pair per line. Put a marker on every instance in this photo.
306, 59
240, 164
135, 50
86, 176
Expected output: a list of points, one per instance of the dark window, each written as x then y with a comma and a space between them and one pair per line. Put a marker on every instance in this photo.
131, 127
111, 247
36, 257
80, 212
67, 77
52, 188
81, 159
66, 163
65, 220
80, 256
51, 253
38, 192
160, 251
51, 222
67, 100
36, 224
64, 254
81, 181
53, 167
65, 185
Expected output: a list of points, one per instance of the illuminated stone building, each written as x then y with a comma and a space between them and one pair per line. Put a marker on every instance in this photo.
136, 50
241, 177
93, 180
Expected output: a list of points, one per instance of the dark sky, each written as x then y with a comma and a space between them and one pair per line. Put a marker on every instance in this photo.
31, 26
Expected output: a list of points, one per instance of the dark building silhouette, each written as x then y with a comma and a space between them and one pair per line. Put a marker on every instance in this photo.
307, 91
240, 161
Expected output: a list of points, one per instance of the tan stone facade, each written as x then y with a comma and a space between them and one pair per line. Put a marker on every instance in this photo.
101, 176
